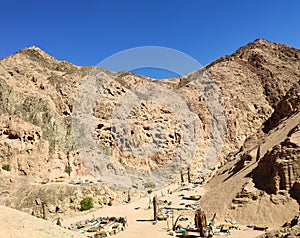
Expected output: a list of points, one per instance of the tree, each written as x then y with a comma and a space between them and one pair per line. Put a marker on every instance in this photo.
68, 169
149, 185
86, 203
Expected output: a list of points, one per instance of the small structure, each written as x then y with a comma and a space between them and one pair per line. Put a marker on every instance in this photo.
260, 227
192, 197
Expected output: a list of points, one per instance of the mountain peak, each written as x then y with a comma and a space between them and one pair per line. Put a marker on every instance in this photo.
35, 52
34, 47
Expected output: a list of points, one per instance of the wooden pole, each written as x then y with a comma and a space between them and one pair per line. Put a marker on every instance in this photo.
214, 220
189, 175
258, 154
200, 221
173, 219
174, 225
45, 211
155, 208
181, 176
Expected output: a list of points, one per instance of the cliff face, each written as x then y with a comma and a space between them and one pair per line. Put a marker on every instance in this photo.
279, 169
37, 91
256, 87
285, 108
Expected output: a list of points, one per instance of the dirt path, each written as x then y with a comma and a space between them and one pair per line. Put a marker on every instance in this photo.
140, 220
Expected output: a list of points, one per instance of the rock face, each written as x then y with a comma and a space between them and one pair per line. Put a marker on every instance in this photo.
279, 169
41, 90
256, 89
285, 108
27, 153
34, 90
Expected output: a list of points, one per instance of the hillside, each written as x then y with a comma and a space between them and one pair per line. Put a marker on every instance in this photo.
18, 224
261, 178
241, 125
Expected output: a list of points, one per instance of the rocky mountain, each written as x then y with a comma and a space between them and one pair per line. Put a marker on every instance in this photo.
261, 179
245, 109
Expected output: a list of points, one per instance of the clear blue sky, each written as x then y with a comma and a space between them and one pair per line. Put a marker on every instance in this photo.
86, 32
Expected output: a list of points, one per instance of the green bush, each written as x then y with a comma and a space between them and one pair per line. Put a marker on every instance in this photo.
86, 203
6, 167
149, 184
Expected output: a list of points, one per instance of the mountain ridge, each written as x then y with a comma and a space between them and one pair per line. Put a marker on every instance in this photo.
256, 85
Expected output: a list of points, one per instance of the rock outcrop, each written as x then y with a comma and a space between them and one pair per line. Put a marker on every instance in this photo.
285, 108
279, 169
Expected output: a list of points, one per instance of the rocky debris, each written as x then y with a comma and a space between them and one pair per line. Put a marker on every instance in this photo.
246, 195
289, 230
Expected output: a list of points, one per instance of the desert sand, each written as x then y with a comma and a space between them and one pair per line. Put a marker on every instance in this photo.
16, 224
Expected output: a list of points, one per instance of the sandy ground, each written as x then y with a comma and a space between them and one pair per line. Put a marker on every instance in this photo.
140, 220
16, 224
